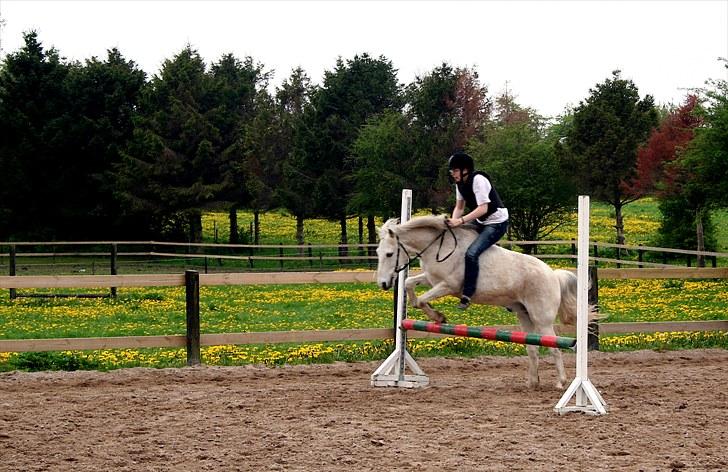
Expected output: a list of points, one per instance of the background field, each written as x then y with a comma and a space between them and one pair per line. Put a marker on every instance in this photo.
641, 219
161, 311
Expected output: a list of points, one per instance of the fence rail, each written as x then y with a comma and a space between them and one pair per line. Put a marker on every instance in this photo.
193, 248
194, 339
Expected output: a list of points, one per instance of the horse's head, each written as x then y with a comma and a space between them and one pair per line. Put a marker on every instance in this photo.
387, 254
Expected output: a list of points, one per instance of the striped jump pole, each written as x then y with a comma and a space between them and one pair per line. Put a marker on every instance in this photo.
493, 334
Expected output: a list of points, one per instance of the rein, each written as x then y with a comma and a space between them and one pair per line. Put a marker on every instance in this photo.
417, 255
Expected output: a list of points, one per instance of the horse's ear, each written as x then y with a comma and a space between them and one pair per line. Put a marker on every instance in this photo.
391, 233
396, 221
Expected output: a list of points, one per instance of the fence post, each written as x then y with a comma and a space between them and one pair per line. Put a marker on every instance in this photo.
280, 255
596, 254
310, 255
619, 257
573, 247
714, 261
13, 292
640, 256
112, 269
593, 336
192, 299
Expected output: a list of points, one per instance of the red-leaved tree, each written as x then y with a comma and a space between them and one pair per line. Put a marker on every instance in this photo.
659, 172
663, 146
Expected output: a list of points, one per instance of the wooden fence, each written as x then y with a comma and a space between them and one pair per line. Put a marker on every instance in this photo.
193, 339
210, 257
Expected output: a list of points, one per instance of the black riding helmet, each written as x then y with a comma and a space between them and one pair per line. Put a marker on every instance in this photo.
461, 161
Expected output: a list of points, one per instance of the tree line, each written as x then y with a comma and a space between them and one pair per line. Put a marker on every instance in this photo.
98, 150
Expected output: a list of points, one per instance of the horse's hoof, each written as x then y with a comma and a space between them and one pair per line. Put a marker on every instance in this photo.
533, 384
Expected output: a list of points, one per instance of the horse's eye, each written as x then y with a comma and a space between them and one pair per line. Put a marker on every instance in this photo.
389, 254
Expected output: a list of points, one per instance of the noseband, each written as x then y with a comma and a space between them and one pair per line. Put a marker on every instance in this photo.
417, 255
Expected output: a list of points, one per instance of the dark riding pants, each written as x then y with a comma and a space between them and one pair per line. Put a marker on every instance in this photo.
489, 235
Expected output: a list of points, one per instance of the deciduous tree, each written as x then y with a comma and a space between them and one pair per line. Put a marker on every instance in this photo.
532, 179
353, 92
607, 130
447, 107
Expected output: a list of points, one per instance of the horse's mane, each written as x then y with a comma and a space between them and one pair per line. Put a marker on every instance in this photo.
427, 221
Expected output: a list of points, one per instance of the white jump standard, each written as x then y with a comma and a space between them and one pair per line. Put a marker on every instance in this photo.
588, 399
392, 371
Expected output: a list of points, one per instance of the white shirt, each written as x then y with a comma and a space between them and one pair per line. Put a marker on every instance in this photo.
481, 189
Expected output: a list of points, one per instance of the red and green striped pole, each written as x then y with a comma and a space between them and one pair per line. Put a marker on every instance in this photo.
520, 337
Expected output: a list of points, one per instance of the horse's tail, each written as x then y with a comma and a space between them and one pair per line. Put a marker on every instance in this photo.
567, 308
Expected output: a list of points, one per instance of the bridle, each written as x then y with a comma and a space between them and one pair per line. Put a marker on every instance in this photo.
410, 260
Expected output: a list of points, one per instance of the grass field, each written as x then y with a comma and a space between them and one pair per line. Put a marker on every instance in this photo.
641, 218
161, 311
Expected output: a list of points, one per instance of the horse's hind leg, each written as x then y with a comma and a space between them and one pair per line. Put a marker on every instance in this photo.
548, 330
559, 362
542, 326
532, 351
532, 366
558, 358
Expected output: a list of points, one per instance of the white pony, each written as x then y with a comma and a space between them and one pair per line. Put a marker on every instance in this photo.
519, 282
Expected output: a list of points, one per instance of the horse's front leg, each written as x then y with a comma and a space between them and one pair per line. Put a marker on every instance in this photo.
438, 290
410, 285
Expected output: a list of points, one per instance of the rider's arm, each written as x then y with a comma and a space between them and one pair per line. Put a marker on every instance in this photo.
457, 214
481, 210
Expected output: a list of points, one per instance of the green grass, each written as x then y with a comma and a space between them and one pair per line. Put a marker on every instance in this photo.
337, 306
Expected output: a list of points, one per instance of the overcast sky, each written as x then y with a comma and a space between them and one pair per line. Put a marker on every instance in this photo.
549, 53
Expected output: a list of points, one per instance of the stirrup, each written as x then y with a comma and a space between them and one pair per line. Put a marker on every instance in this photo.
464, 303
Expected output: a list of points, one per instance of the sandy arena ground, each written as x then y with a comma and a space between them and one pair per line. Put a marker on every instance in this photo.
668, 411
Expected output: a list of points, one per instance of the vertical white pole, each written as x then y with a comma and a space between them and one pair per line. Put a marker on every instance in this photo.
582, 296
401, 334
587, 397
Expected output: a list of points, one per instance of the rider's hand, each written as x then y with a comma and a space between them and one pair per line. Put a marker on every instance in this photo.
454, 222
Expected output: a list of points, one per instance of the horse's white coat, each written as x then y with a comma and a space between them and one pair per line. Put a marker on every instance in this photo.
522, 283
